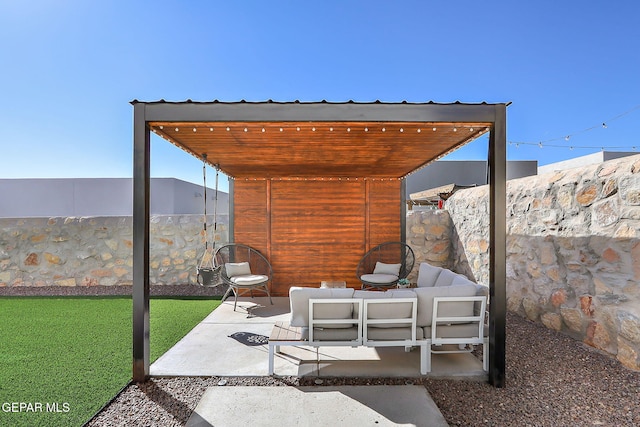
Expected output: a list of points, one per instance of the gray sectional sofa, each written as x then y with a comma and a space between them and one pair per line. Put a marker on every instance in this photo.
445, 308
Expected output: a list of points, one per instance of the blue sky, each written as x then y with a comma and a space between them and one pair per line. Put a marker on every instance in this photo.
71, 67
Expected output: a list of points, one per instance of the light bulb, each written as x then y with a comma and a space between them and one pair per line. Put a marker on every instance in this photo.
228, 129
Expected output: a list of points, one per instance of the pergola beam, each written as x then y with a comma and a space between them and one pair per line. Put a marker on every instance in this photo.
322, 111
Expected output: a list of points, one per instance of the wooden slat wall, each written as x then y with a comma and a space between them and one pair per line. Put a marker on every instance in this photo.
315, 230
251, 215
384, 212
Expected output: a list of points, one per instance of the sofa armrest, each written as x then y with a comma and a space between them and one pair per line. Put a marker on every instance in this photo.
449, 311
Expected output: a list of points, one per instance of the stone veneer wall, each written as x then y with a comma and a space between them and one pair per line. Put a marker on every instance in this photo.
98, 250
573, 251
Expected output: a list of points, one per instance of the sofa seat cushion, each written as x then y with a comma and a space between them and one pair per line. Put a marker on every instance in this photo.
393, 334
425, 302
428, 274
249, 279
379, 278
463, 330
332, 334
299, 302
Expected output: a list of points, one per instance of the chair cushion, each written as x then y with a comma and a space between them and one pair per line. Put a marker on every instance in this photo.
249, 279
428, 274
382, 268
299, 301
237, 269
426, 295
379, 278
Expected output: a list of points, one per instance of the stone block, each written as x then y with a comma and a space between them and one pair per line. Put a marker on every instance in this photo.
586, 305
629, 326
119, 271
611, 255
601, 338
558, 297
605, 213
553, 273
587, 195
552, 321
5, 277
32, 259
38, 238
66, 282
572, 317
531, 308
635, 259
628, 355
53, 259
101, 272
514, 303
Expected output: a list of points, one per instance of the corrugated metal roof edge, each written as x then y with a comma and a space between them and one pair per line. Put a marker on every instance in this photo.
324, 101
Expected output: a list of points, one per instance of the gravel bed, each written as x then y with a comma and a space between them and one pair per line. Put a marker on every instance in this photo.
552, 380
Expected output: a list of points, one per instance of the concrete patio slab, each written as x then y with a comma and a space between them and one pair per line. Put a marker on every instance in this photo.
234, 343
317, 406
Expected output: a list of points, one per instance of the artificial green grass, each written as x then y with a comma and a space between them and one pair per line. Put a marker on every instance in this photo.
62, 359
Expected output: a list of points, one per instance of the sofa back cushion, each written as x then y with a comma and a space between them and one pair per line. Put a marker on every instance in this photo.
391, 293
427, 275
425, 301
299, 303
446, 278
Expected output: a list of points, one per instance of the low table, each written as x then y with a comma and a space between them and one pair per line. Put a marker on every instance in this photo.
333, 284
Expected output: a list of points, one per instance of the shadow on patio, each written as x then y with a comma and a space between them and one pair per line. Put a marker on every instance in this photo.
228, 343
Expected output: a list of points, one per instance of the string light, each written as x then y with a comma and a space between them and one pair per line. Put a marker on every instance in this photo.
571, 147
603, 125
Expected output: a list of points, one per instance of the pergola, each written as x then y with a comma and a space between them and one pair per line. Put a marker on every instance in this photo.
314, 185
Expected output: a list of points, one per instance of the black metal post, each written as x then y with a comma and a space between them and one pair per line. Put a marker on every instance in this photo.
141, 178
497, 253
